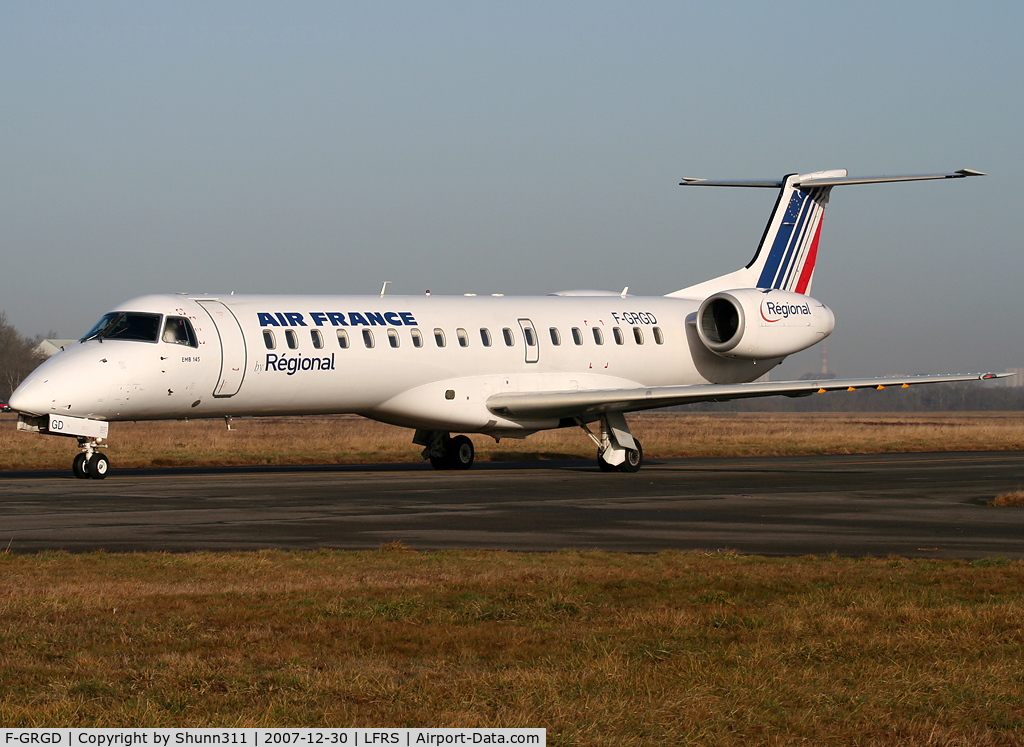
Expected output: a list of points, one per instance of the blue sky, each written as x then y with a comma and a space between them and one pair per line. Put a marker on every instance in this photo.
517, 148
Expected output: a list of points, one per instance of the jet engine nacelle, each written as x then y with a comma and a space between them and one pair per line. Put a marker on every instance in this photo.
753, 324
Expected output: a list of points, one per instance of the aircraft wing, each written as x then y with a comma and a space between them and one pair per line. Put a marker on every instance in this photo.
585, 403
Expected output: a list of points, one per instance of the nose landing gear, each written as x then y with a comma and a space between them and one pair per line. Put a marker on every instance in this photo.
90, 434
90, 463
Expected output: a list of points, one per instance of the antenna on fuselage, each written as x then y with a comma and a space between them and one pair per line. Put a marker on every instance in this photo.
384, 288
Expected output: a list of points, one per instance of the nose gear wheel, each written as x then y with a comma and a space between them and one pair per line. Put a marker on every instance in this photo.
90, 463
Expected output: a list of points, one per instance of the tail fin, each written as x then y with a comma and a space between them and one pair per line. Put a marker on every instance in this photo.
789, 247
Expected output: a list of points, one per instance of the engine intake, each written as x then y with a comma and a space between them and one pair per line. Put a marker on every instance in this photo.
754, 324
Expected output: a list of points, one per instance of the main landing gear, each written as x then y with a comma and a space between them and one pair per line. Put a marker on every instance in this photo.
617, 450
445, 452
90, 463
632, 463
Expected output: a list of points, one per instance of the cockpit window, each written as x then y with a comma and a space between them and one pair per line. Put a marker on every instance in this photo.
179, 330
125, 325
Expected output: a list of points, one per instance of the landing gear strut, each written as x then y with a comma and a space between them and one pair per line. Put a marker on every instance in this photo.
617, 450
445, 452
90, 435
90, 462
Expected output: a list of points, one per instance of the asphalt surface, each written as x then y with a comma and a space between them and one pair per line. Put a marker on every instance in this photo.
904, 504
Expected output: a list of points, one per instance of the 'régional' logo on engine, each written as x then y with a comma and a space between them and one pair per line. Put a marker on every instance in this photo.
772, 312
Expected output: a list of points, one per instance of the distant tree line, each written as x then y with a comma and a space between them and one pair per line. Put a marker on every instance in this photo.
969, 397
17, 357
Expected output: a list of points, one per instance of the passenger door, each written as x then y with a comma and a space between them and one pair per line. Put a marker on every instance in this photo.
232, 348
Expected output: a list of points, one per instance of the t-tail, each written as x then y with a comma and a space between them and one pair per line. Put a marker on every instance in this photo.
788, 251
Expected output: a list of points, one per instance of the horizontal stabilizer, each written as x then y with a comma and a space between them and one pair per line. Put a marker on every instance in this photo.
693, 181
585, 404
824, 179
837, 181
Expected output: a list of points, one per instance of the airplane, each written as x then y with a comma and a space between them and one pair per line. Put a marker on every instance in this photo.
501, 366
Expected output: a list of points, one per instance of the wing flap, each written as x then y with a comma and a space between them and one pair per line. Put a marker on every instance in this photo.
581, 404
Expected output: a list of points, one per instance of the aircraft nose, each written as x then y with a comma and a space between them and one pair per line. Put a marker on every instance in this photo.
33, 397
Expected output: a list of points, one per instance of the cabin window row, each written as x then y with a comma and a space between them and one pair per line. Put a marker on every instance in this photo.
291, 337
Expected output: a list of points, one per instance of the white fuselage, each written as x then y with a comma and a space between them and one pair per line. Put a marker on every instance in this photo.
281, 355
466, 364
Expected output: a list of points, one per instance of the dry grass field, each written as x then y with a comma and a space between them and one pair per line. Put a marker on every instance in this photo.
600, 649
351, 439
1014, 499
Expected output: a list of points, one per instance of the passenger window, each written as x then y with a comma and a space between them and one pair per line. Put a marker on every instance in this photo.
292, 338
617, 334
638, 335
463, 337
342, 339
598, 336
485, 337
577, 336
658, 337
510, 339
439, 337
417, 338
368, 338
178, 330
531, 337
556, 339
393, 338
318, 339
268, 339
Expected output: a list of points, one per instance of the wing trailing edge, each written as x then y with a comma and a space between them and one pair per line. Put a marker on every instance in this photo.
583, 404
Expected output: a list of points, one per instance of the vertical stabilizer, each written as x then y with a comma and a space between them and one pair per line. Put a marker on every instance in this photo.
789, 246
788, 251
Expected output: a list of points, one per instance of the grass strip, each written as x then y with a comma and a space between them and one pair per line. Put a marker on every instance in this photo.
355, 440
599, 648
1014, 499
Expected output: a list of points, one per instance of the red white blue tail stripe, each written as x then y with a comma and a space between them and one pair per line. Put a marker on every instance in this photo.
792, 241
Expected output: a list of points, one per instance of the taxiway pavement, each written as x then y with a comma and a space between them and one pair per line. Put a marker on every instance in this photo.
879, 504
